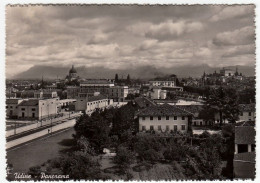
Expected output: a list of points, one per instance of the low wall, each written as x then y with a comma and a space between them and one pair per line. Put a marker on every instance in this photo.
39, 124
47, 131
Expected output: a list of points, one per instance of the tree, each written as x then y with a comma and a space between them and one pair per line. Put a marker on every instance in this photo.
79, 165
128, 80
124, 157
116, 78
225, 102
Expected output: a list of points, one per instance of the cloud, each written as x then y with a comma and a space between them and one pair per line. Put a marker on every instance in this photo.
239, 50
127, 36
243, 36
230, 12
165, 30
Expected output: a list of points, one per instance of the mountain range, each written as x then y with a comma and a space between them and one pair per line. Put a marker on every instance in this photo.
142, 72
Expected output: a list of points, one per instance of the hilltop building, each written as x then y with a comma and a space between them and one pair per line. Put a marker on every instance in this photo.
72, 74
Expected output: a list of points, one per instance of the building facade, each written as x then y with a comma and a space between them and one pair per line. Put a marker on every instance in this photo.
118, 93
164, 118
11, 107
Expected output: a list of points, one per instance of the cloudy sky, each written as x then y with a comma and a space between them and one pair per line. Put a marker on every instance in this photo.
129, 36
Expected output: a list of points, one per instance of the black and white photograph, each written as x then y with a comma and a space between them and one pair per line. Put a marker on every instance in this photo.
130, 92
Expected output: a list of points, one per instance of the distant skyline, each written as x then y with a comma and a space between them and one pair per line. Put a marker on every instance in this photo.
120, 37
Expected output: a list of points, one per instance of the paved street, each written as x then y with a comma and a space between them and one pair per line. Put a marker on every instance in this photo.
38, 152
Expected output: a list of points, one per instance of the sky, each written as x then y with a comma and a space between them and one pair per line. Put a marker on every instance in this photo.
119, 37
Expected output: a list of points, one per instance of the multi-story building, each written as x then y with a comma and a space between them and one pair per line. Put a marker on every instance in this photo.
89, 87
164, 118
11, 107
118, 93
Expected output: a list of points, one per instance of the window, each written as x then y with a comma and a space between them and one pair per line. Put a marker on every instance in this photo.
143, 128
151, 117
159, 127
249, 114
11, 107
6, 107
167, 117
33, 109
151, 127
175, 128
175, 117
167, 128
143, 118
182, 127
183, 117
194, 123
159, 117
201, 123
241, 113
23, 109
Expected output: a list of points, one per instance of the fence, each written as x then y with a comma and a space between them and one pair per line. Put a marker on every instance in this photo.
36, 135
39, 124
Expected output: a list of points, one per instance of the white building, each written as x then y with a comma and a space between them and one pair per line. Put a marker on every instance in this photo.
163, 118
37, 108
157, 93
90, 104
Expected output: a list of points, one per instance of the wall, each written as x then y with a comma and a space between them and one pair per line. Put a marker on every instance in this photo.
39, 124
36, 135
163, 122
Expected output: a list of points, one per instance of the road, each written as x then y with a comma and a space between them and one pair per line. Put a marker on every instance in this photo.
39, 151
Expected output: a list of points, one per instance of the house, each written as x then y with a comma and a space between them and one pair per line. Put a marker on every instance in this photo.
11, 107
37, 108
118, 93
247, 112
163, 118
244, 158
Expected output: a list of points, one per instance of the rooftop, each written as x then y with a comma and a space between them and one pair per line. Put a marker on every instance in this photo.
245, 135
12, 101
143, 102
191, 108
163, 110
32, 102
96, 81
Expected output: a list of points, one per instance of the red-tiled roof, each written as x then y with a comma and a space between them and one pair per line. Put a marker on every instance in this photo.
247, 107
29, 103
245, 135
163, 110
248, 157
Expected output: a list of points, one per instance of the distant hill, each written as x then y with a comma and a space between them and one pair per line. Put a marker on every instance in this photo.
144, 72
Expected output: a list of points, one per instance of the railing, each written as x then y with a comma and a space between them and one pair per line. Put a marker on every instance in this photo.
40, 124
